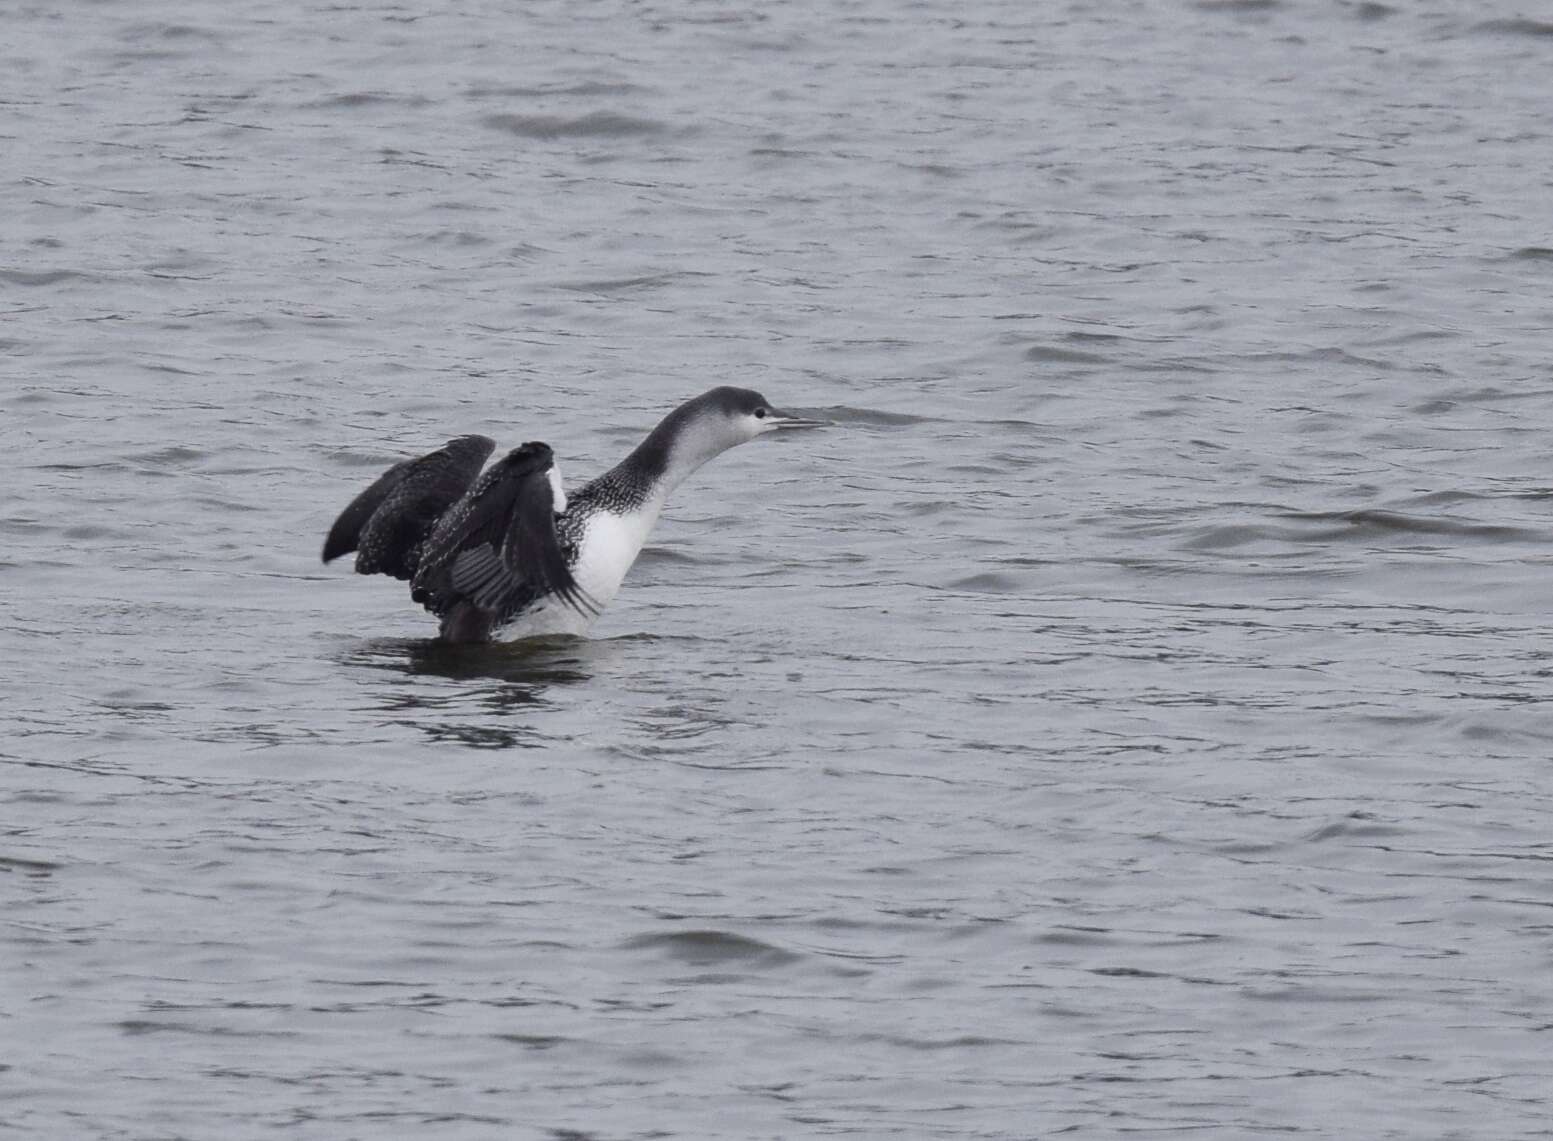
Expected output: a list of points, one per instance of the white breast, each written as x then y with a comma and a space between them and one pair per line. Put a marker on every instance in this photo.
610, 544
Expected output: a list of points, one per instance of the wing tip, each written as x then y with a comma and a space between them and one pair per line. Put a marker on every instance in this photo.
579, 600
336, 545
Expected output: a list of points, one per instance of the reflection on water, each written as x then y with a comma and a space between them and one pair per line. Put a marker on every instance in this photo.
535, 662
499, 685
481, 736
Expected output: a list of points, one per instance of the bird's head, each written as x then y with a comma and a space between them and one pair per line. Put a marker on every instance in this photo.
736, 415
709, 425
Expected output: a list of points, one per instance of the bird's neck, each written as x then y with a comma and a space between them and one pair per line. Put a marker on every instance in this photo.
617, 512
670, 454
620, 508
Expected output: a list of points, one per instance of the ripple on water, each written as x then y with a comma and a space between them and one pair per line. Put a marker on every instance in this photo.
712, 948
1532, 29
593, 124
36, 278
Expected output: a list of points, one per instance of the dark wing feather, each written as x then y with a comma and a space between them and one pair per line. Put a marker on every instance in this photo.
531, 549
497, 548
346, 532
388, 522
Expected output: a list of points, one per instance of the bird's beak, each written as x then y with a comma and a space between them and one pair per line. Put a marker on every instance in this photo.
788, 420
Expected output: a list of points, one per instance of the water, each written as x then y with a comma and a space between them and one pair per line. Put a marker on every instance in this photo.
1130, 720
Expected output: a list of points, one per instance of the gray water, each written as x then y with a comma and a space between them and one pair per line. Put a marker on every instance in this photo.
1131, 719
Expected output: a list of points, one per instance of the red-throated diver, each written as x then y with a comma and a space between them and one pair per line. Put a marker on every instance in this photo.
505, 552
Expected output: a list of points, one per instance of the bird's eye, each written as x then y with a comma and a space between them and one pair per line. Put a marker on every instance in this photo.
760, 413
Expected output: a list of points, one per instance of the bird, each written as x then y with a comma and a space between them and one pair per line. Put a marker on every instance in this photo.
501, 552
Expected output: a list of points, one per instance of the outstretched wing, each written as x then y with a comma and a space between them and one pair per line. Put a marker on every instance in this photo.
497, 548
388, 523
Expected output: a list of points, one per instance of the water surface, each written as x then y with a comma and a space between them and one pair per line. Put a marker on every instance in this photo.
1129, 720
